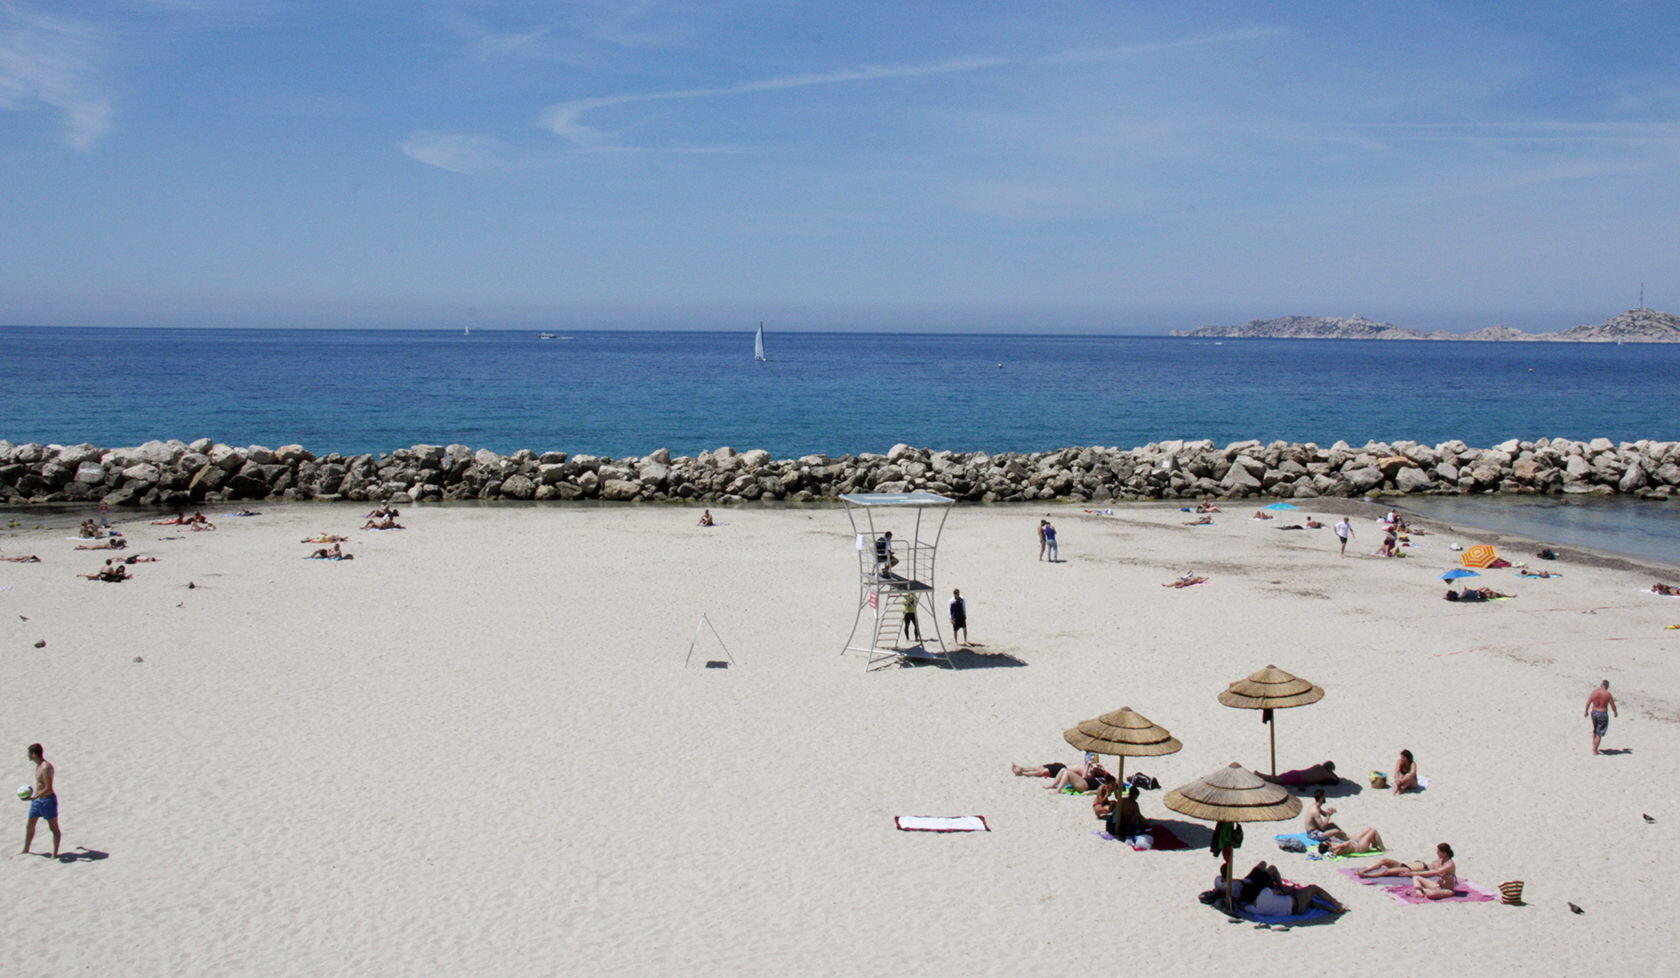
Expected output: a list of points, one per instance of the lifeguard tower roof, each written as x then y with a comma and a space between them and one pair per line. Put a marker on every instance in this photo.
896, 499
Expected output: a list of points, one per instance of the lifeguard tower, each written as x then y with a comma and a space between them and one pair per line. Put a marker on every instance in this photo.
897, 540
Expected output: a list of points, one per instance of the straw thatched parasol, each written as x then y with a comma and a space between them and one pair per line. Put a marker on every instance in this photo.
1233, 794
1270, 689
1123, 734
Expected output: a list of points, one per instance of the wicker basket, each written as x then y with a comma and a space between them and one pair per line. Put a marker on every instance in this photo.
1511, 893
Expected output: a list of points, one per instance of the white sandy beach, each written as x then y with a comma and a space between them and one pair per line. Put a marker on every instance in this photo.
475, 749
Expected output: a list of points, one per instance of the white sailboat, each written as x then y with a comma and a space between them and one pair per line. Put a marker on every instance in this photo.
758, 346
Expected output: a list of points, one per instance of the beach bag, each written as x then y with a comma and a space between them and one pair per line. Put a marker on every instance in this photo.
1379, 780
1511, 893
1292, 844
1143, 782
1547, 555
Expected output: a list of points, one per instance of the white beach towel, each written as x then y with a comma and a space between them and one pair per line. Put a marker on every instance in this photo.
941, 823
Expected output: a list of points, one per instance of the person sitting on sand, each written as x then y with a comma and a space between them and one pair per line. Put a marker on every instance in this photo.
1200, 521
1390, 545
1321, 773
114, 543
1365, 840
335, 552
1435, 880
111, 573
324, 538
706, 519
89, 529
1117, 807
1405, 773
1313, 524
1317, 819
386, 524
1261, 514
384, 511
1268, 895
1668, 589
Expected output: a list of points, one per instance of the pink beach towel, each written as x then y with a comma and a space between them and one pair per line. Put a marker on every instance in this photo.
1464, 893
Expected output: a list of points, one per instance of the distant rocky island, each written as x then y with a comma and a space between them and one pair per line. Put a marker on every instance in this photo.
1633, 326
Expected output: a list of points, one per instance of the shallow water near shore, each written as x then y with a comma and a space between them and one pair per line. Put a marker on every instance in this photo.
627, 393
1637, 528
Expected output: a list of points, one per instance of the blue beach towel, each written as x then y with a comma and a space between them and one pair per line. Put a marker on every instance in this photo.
1313, 912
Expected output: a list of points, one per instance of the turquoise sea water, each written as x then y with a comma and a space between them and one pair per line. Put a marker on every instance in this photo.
620, 393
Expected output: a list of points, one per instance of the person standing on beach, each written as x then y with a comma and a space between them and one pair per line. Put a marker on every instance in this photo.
1344, 532
959, 616
1600, 705
910, 621
1041, 538
43, 801
1048, 532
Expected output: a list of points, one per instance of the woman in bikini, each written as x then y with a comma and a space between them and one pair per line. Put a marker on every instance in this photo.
1365, 840
1405, 773
1435, 881
1081, 777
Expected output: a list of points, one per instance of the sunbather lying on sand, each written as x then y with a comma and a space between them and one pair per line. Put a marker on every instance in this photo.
384, 511
248, 512
1313, 524
324, 538
332, 553
1668, 589
1207, 507
1292, 526
1365, 840
1434, 880
112, 572
137, 559
1265, 891
115, 543
1261, 514
1080, 777
22, 559
1200, 521
386, 524
1187, 580
1474, 594
1322, 773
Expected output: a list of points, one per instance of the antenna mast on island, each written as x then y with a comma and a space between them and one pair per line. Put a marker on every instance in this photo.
1641, 295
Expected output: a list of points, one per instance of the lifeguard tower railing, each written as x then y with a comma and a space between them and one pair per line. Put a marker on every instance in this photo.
896, 575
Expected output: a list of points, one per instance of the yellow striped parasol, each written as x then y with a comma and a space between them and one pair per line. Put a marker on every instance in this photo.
1481, 555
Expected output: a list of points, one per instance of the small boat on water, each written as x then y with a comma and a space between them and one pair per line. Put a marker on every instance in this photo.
545, 336
758, 346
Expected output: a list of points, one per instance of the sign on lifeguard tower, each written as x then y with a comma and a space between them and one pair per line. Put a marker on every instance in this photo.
897, 541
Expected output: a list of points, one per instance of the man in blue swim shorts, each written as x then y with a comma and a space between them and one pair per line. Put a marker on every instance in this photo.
43, 801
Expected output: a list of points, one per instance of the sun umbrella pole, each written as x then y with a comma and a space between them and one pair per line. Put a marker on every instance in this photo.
1273, 725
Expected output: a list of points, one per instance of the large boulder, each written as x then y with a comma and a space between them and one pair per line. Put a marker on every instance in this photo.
90, 473
518, 487
620, 489
144, 472
1363, 479
1411, 479
1239, 481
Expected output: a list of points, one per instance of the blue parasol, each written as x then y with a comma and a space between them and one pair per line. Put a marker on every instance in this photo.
1458, 572
1280, 506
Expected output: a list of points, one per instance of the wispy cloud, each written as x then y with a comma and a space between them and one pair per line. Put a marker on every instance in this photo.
53, 61
456, 152
564, 119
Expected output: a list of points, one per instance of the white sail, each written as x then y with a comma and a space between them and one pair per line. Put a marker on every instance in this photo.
758, 344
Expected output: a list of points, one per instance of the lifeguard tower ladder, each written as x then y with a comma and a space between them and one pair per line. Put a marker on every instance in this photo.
895, 572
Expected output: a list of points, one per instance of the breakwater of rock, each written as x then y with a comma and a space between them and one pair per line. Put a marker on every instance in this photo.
174, 473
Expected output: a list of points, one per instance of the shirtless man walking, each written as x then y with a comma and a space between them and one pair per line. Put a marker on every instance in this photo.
1600, 705
43, 801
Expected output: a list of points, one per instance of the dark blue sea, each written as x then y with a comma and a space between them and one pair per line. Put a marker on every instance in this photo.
622, 393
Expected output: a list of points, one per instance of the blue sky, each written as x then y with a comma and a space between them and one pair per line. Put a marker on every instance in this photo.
1113, 166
